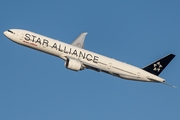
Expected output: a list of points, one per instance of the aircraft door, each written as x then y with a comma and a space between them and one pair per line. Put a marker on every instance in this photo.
109, 66
21, 36
138, 75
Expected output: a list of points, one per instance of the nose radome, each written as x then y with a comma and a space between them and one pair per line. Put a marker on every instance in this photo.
5, 33
9, 34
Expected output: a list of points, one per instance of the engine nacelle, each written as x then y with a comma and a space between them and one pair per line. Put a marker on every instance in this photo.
73, 64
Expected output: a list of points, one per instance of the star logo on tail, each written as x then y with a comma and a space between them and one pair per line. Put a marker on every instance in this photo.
157, 66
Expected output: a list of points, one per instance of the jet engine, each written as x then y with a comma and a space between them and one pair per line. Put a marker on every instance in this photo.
73, 64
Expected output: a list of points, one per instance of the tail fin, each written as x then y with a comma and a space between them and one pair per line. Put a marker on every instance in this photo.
157, 67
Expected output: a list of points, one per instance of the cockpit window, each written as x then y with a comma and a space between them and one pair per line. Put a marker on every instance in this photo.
11, 31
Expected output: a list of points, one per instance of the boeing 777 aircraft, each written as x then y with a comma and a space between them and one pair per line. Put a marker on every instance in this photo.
77, 58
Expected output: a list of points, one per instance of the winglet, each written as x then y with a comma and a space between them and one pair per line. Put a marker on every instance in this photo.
79, 41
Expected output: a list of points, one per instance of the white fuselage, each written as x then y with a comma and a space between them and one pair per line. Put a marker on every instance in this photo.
87, 58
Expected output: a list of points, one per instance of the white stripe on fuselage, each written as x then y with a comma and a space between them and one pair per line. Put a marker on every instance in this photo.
64, 50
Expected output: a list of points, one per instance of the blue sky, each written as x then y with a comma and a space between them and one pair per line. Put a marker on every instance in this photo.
37, 86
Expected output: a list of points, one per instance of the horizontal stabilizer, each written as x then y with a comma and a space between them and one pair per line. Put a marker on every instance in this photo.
169, 85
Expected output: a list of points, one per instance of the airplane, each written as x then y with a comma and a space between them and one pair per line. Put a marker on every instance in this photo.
77, 58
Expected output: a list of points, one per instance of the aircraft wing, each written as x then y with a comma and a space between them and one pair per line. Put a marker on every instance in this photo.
79, 41
106, 71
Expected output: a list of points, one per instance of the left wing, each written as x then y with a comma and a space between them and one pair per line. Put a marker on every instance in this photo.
79, 41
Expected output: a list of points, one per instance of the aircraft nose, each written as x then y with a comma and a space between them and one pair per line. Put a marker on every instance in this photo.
5, 33
9, 33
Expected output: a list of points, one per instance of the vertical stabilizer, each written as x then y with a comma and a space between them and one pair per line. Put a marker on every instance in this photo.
157, 67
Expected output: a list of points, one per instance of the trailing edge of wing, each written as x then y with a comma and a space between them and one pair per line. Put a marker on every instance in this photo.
79, 41
105, 71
